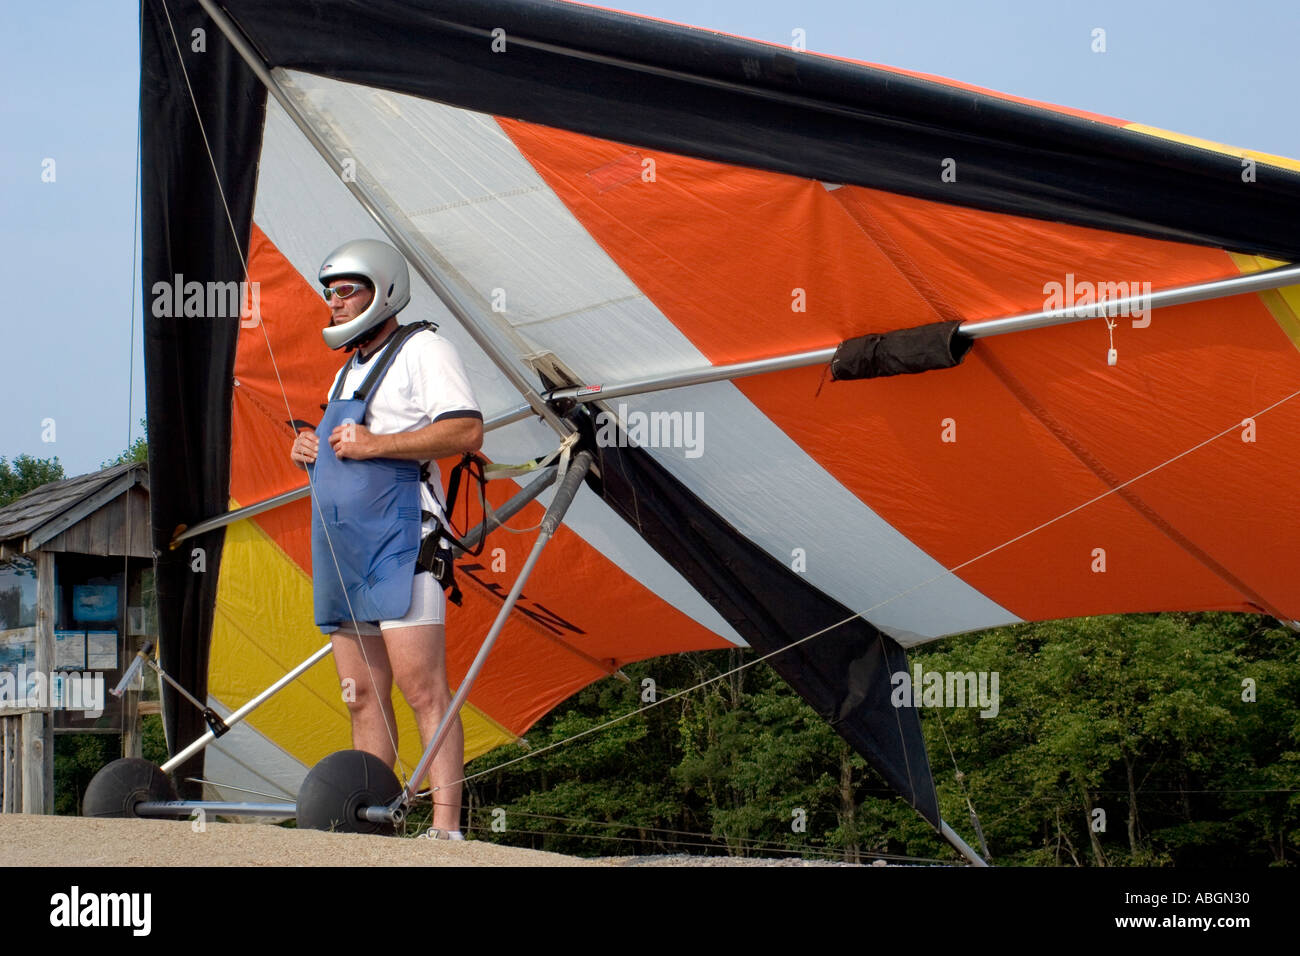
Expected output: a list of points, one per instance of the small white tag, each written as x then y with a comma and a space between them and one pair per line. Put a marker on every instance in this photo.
1112, 357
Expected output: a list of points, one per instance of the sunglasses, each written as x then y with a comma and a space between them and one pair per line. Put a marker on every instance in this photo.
344, 291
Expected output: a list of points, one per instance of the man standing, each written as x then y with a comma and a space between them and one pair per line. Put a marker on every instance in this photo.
401, 403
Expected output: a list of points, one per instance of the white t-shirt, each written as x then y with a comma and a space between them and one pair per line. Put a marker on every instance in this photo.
426, 383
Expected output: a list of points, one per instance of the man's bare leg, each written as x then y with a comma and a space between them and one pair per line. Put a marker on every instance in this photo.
369, 696
418, 656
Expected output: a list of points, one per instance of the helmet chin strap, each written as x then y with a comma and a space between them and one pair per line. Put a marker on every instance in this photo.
366, 338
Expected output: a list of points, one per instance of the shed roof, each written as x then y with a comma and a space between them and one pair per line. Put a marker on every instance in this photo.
49, 509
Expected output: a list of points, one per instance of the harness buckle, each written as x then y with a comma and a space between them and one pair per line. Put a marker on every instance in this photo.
438, 560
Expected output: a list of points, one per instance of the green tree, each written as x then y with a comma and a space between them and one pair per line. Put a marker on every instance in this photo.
610, 792
738, 765
1170, 739
137, 453
1128, 741
25, 474
77, 758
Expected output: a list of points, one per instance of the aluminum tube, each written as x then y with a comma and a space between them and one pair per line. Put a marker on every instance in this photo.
373, 814
712, 373
425, 266
516, 414
248, 708
578, 469
499, 516
183, 808
1218, 289
960, 845
230, 517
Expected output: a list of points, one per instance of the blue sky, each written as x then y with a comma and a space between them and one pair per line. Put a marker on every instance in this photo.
70, 75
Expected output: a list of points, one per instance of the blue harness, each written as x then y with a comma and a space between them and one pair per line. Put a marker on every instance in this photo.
372, 510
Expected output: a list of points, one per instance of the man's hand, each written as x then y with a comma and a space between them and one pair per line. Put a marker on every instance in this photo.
439, 440
305, 448
356, 442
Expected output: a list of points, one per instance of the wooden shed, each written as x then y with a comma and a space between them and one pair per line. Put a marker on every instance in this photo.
76, 575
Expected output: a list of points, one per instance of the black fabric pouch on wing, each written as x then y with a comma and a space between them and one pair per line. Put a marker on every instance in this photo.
904, 352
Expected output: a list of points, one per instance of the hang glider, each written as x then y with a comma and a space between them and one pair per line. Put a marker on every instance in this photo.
665, 239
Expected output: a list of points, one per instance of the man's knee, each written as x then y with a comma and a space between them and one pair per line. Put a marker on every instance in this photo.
424, 694
360, 695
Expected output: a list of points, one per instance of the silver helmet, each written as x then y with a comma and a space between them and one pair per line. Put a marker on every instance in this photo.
384, 268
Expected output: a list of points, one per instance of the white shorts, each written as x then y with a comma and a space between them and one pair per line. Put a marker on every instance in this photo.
428, 606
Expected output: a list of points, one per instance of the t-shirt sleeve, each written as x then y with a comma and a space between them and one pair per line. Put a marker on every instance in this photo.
441, 384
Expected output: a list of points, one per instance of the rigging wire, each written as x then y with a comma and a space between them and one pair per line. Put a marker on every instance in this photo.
619, 839
718, 843
961, 782
130, 373
285, 795
764, 850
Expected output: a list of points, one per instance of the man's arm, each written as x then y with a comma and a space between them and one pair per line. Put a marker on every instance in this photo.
449, 436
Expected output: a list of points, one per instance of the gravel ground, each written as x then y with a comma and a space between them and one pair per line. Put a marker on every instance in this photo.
27, 840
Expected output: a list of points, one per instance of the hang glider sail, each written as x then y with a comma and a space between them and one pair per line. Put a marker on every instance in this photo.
599, 206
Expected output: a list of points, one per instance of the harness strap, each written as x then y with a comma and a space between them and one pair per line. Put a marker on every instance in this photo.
471, 464
438, 560
376, 375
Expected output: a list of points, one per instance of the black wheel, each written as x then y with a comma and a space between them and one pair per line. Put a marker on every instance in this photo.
341, 784
115, 790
